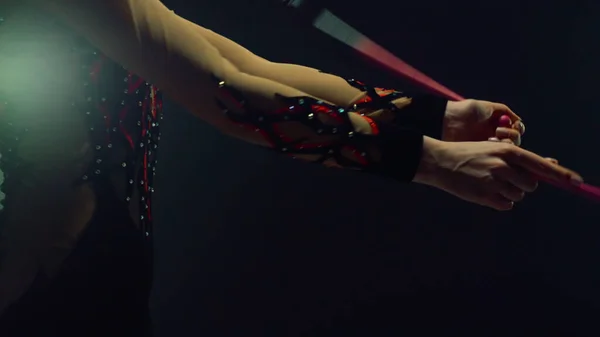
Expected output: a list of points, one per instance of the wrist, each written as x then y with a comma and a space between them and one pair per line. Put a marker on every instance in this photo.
425, 113
427, 169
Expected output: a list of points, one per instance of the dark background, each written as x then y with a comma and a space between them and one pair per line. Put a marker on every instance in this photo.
252, 244
248, 243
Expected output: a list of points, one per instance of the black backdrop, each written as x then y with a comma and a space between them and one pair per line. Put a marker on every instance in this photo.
248, 243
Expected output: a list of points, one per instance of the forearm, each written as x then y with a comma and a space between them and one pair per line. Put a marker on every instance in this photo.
329, 87
427, 111
150, 40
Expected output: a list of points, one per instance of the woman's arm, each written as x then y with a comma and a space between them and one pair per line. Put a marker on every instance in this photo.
329, 87
149, 39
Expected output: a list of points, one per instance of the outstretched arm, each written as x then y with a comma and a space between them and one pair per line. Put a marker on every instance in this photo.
384, 133
329, 87
295, 117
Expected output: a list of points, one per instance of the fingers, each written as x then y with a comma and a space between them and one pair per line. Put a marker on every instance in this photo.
499, 203
502, 109
519, 126
520, 180
506, 140
510, 192
539, 166
509, 133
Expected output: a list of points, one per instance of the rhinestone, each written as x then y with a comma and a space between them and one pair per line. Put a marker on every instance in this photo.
334, 130
131, 181
98, 147
128, 199
109, 146
364, 154
141, 217
84, 177
350, 134
320, 131
97, 172
147, 234
98, 161
124, 164
103, 99
141, 144
88, 113
125, 91
139, 123
122, 102
92, 128
311, 115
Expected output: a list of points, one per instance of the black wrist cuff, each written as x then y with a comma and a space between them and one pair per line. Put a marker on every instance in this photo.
425, 113
400, 150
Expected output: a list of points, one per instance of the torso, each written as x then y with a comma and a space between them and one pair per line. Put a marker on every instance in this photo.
46, 213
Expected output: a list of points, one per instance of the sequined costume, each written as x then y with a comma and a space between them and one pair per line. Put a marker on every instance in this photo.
132, 119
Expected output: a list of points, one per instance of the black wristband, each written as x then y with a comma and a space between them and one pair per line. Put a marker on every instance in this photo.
425, 113
400, 152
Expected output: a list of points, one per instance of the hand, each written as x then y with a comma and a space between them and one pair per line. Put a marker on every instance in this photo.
473, 120
493, 174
